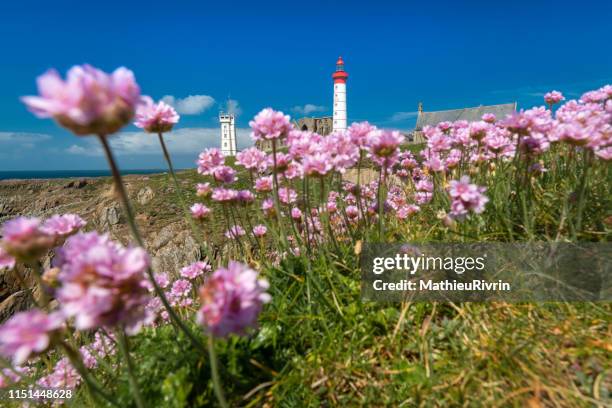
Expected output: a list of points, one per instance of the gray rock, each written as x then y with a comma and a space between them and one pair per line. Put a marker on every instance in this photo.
173, 248
17, 302
111, 216
145, 195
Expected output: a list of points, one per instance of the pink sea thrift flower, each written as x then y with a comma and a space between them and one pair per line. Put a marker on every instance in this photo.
234, 232
28, 333
155, 117
6, 261
89, 101
24, 239
245, 197
263, 184
64, 375
358, 132
352, 211
203, 190
251, 158
553, 97
466, 197
103, 283
195, 269
63, 226
199, 211
287, 195
296, 213
383, 143
232, 299
317, 165
270, 124
210, 159
181, 288
260, 230
162, 279
224, 195
224, 174
489, 118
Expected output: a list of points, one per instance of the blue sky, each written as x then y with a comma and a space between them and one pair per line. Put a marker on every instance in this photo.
281, 54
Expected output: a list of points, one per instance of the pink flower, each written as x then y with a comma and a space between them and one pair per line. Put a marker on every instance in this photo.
352, 211
287, 195
203, 189
296, 214
103, 283
232, 299
199, 211
155, 117
224, 195
64, 375
406, 210
358, 133
260, 230
267, 206
384, 143
162, 280
235, 232
6, 261
24, 239
270, 124
63, 226
263, 184
245, 197
28, 333
89, 101
478, 130
553, 97
466, 197
489, 118
195, 269
251, 158
317, 165
224, 174
181, 288
605, 154
208, 160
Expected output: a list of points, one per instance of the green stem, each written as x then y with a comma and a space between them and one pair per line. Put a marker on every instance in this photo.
214, 370
125, 350
136, 234
92, 384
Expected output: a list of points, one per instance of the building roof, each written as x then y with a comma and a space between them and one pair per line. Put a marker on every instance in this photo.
469, 114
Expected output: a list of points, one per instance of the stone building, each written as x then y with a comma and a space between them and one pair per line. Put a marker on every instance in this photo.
322, 126
469, 114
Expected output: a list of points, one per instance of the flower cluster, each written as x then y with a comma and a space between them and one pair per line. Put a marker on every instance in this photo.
231, 300
103, 283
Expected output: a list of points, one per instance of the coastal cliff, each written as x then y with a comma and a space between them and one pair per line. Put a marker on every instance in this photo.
160, 218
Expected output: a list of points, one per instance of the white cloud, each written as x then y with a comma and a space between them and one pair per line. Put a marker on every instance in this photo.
308, 109
191, 105
185, 141
232, 106
22, 138
400, 116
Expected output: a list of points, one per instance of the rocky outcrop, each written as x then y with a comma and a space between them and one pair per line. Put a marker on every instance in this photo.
172, 248
167, 237
145, 195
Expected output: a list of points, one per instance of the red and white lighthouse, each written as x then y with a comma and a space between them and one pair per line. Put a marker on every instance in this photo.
340, 77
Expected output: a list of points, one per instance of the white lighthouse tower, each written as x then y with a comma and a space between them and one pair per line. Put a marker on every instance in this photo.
340, 77
228, 133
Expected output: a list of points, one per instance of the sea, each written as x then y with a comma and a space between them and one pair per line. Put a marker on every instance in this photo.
55, 174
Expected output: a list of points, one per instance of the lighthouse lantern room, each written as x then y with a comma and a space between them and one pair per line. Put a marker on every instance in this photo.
340, 77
